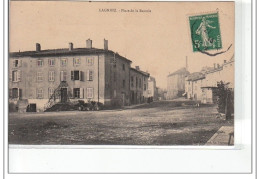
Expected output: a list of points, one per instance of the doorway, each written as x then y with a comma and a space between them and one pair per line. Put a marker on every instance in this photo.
64, 95
31, 107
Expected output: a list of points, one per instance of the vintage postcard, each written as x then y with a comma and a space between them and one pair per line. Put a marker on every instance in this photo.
121, 73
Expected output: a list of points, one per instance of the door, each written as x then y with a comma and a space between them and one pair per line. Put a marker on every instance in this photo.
63, 95
31, 107
123, 99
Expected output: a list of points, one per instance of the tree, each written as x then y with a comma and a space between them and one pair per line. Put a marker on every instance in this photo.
225, 99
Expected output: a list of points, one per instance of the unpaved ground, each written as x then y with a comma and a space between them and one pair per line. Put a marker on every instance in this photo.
160, 123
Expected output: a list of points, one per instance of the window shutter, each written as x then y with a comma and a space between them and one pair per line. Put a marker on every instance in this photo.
19, 63
12, 76
81, 76
64, 75
73, 61
10, 93
88, 75
20, 94
81, 92
19, 75
49, 75
90, 93
14, 63
72, 75
61, 76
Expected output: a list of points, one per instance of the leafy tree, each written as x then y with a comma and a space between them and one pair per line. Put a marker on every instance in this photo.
225, 99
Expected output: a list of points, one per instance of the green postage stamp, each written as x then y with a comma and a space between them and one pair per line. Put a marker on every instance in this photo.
205, 32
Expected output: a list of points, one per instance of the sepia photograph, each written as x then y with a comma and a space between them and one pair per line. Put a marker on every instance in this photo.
121, 73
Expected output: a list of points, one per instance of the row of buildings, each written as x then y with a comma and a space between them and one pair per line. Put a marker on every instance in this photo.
41, 78
201, 85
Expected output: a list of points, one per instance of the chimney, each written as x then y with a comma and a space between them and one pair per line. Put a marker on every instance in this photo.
225, 61
137, 67
215, 66
105, 44
89, 43
70, 46
38, 47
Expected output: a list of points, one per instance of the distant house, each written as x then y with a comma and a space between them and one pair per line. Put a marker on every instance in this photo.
193, 85
138, 85
152, 89
176, 83
202, 85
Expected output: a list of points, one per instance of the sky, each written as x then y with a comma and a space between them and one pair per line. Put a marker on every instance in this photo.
158, 40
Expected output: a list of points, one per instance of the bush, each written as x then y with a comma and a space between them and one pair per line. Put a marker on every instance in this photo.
13, 107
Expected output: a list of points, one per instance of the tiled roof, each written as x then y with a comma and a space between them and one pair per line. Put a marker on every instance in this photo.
142, 72
64, 52
180, 71
196, 76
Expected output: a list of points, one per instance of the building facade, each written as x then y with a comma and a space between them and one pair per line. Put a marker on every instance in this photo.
176, 83
202, 85
42, 78
152, 88
138, 86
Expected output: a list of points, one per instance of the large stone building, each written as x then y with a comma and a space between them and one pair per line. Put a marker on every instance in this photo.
138, 85
176, 83
42, 78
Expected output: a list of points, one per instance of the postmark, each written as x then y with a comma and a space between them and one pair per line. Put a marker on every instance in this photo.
205, 32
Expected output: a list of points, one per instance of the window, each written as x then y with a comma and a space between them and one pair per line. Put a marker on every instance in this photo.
140, 86
63, 76
144, 87
123, 67
15, 92
40, 63
90, 61
40, 93
51, 62
63, 62
90, 93
51, 75
132, 81
90, 75
76, 92
39, 76
51, 91
77, 75
17, 63
123, 83
136, 82
76, 61
16, 75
